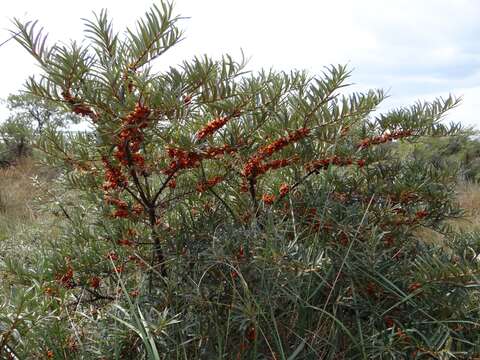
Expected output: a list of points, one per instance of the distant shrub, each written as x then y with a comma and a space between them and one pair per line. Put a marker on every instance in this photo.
16, 137
461, 151
30, 117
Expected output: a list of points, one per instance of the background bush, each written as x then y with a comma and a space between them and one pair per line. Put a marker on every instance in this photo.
30, 117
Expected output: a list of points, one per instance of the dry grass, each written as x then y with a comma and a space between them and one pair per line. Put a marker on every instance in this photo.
23, 223
18, 192
469, 199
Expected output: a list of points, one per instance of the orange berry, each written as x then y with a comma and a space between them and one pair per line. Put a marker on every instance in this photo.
284, 189
94, 282
172, 184
389, 323
421, 214
112, 255
414, 286
187, 99
268, 199
125, 242
48, 291
251, 333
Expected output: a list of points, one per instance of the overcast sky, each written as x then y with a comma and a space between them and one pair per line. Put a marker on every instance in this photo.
414, 49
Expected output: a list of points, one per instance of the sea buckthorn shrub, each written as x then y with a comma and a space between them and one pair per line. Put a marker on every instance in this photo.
225, 214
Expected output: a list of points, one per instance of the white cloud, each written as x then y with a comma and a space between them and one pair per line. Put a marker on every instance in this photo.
414, 48
467, 113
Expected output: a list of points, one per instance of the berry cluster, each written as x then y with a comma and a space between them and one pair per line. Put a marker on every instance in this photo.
384, 138
172, 184
114, 178
182, 160
122, 208
403, 220
78, 107
279, 144
414, 286
187, 99
284, 189
343, 239
204, 186
268, 199
372, 290
66, 279
254, 167
421, 214
125, 242
112, 255
94, 282
318, 225
323, 164
211, 127
212, 152
131, 137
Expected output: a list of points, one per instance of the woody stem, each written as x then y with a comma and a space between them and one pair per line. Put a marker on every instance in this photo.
149, 204
251, 188
157, 254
